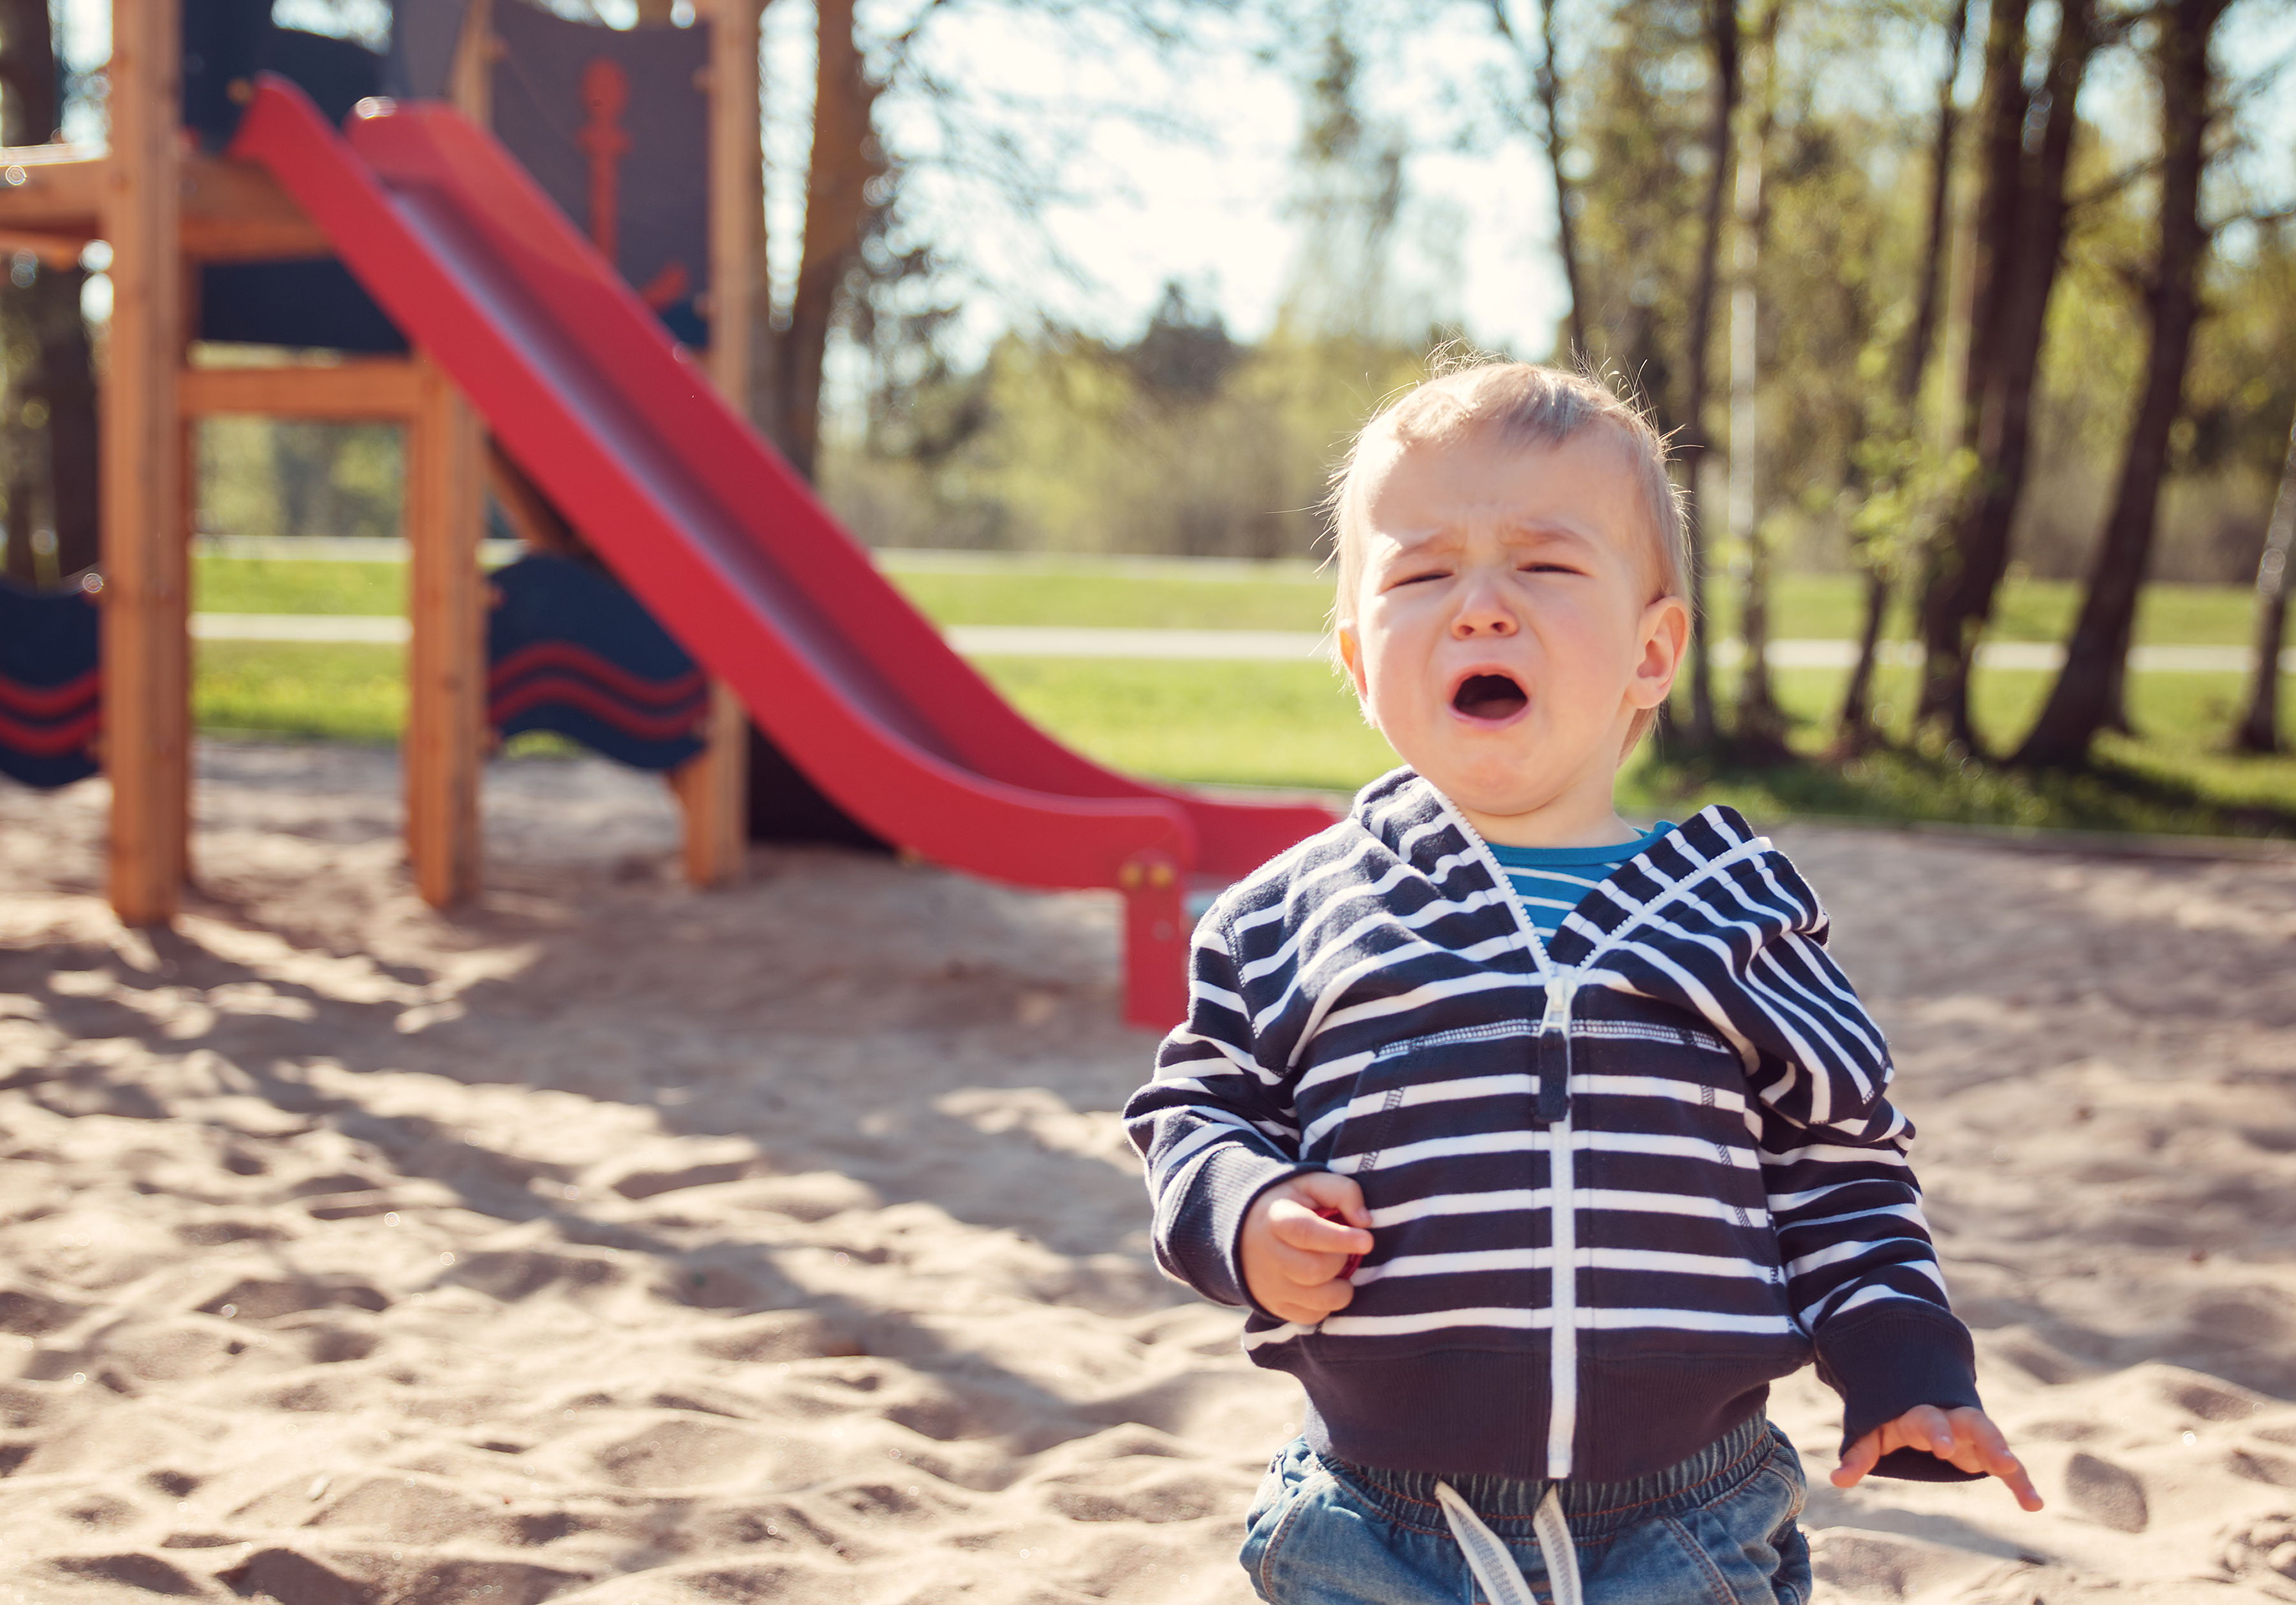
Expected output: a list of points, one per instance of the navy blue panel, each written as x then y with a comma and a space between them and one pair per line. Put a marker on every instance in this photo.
571, 651
657, 145
293, 304
306, 303
49, 689
228, 41
422, 36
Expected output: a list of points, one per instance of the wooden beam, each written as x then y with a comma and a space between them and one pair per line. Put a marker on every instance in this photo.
470, 81
532, 517
228, 211
378, 389
53, 249
447, 658
146, 540
53, 189
714, 786
234, 212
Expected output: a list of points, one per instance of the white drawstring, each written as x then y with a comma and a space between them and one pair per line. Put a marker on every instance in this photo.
1495, 1569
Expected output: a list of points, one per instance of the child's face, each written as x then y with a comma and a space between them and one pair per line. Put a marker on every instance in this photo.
1504, 636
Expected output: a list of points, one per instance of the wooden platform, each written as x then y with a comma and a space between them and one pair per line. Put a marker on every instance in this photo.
52, 205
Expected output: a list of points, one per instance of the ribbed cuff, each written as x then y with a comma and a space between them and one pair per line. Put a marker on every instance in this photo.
1891, 1358
1203, 1240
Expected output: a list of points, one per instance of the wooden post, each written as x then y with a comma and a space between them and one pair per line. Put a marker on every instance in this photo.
445, 746
469, 81
714, 786
446, 656
146, 545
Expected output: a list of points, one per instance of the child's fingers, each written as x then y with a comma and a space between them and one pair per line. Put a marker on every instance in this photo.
1989, 1453
1309, 1304
1297, 1226
1325, 1190
1862, 1457
1925, 1427
1303, 1267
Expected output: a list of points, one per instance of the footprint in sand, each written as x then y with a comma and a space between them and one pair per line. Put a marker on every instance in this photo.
2106, 1495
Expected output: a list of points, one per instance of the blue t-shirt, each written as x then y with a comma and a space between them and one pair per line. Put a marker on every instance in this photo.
1550, 882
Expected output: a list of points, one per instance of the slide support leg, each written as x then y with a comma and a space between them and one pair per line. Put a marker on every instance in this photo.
1155, 942
446, 651
713, 790
146, 620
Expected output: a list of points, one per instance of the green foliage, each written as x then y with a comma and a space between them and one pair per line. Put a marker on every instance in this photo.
1085, 448
263, 477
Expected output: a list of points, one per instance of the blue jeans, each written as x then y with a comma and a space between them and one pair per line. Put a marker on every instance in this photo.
1717, 1529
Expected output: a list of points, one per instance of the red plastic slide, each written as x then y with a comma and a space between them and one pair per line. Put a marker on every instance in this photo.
712, 529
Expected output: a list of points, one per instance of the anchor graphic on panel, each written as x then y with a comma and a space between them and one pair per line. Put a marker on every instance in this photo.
605, 97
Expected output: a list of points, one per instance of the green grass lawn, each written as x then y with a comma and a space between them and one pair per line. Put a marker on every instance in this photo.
343, 692
256, 585
1274, 596
1233, 724
2173, 775
1293, 724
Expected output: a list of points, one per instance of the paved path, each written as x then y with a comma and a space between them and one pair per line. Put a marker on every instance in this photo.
1263, 646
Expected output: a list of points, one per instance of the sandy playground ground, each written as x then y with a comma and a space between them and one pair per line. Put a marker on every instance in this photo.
610, 1243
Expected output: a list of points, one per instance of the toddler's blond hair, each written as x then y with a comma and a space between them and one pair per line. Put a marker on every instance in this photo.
1524, 405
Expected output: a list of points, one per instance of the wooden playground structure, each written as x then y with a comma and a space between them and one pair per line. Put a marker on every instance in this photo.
597, 422
166, 209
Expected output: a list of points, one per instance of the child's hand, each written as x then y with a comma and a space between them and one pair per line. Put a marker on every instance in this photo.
1966, 1437
1292, 1256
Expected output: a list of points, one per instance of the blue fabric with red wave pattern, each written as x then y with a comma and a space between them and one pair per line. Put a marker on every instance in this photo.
571, 651
51, 691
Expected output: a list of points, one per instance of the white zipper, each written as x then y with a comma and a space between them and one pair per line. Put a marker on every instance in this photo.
1563, 1300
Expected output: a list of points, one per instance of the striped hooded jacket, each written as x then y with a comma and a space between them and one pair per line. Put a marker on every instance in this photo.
1677, 1100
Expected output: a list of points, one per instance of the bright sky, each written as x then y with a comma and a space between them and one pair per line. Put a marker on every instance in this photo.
1188, 177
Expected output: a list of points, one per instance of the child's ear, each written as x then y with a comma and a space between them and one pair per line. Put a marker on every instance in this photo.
1351, 658
1664, 637
1350, 645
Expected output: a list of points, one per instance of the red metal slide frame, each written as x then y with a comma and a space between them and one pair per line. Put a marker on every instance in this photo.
714, 532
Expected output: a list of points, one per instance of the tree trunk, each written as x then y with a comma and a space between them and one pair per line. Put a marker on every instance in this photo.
2086, 696
1854, 731
1547, 85
763, 402
49, 434
2019, 248
1723, 32
2260, 730
837, 208
1566, 243
1760, 733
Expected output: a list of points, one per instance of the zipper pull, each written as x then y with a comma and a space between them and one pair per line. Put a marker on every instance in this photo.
1555, 1050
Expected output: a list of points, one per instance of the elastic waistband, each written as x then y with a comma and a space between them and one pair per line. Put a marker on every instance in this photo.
1597, 1510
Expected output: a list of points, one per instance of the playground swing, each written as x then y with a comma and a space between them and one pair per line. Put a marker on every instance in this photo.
571, 345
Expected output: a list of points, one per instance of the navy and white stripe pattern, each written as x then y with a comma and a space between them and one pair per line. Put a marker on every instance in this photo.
1677, 1099
1550, 883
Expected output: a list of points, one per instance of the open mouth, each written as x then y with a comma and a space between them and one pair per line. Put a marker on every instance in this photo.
1489, 697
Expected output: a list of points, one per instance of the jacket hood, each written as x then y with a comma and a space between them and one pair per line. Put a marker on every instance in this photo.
1712, 892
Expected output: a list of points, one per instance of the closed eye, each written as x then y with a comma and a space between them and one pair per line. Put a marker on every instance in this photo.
1548, 567
1416, 579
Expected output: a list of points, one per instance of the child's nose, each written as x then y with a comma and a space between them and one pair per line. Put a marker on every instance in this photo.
1482, 612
